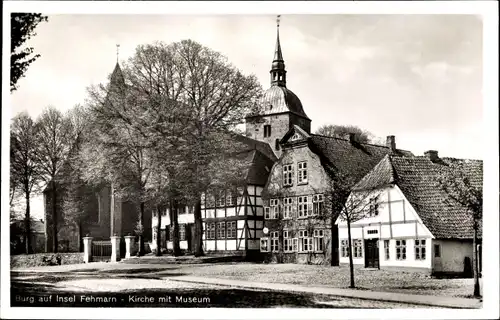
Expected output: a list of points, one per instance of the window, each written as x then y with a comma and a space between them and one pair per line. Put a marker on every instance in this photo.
344, 248
319, 240
287, 208
317, 204
221, 230
181, 210
295, 244
287, 175
373, 208
357, 248
373, 231
230, 199
211, 230
210, 201
419, 249
264, 244
275, 241
305, 241
221, 199
267, 130
437, 251
400, 249
231, 229
386, 249
295, 137
182, 232
267, 213
304, 207
287, 242
275, 209
302, 172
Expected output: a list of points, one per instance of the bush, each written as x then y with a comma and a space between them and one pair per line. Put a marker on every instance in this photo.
45, 259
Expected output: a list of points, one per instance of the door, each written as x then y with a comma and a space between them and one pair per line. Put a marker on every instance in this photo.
371, 253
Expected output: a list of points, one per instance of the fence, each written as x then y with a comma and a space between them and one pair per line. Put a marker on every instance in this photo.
101, 250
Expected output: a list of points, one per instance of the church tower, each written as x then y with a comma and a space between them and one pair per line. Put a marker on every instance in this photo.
281, 109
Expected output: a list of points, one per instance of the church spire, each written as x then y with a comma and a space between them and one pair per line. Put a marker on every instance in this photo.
278, 72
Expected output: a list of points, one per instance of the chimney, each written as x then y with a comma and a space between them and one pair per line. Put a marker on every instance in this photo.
432, 155
351, 136
391, 143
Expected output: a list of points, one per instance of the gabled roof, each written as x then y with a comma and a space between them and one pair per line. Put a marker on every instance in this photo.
350, 157
417, 177
295, 130
261, 146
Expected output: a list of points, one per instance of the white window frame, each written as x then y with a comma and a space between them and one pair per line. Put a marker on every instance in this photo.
220, 202
287, 242
267, 213
266, 241
274, 206
387, 249
420, 249
373, 208
357, 248
306, 242
231, 230
287, 175
211, 228
275, 241
344, 248
287, 208
319, 238
303, 210
401, 249
221, 230
317, 203
302, 177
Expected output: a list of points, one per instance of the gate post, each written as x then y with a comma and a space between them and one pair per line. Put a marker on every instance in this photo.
115, 249
87, 249
129, 246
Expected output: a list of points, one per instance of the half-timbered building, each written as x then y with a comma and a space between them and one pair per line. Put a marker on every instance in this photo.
416, 226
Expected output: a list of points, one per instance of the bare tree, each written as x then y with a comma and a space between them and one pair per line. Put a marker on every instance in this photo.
53, 142
465, 188
24, 168
340, 131
347, 203
187, 83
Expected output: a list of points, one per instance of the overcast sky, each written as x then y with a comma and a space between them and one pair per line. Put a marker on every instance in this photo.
418, 77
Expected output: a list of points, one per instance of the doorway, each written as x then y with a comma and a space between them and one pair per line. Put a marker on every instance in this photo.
371, 253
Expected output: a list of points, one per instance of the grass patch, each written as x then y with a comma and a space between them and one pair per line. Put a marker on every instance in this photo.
45, 259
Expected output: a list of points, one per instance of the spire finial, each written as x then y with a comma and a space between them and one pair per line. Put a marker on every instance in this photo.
117, 52
278, 20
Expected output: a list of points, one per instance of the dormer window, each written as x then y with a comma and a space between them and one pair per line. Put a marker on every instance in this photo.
267, 130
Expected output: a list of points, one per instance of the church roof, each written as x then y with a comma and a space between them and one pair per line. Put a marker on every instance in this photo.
278, 99
417, 177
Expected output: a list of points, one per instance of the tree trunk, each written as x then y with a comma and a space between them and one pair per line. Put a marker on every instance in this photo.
140, 252
175, 228
27, 225
80, 236
158, 232
198, 231
54, 217
351, 262
477, 291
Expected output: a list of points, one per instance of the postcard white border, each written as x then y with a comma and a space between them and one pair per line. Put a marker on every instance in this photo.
487, 9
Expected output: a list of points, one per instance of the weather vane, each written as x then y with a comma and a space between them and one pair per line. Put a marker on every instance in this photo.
278, 20
117, 52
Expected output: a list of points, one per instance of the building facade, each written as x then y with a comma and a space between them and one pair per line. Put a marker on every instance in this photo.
416, 226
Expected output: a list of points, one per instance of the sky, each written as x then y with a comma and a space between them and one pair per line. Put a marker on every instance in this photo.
417, 77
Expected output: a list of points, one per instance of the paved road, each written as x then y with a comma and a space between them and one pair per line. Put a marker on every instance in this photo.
139, 286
